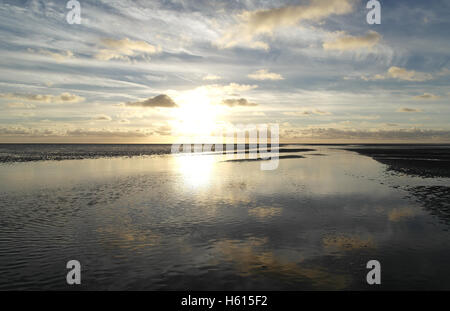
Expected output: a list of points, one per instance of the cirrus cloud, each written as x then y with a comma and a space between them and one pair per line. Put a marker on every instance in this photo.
58, 56
124, 48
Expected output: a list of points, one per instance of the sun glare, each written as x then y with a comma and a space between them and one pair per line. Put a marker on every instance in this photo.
196, 170
197, 115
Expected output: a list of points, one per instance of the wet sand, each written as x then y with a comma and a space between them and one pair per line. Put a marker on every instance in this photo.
195, 222
411, 160
418, 161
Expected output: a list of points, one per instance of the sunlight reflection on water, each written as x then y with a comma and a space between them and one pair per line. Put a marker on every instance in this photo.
196, 222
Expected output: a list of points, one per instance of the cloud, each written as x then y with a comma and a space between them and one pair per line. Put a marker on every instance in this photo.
235, 87
444, 72
14, 131
401, 74
346, 43
102, 117
106, 133
103, 133
67, 97
426, 96
164, 130
253, 23
238, 102
62, 98
59, 56
21, 106
122, 49
224, 90
306, 113
405, 109
374, 78
211, 78
28, 132
360, 135
263, 74
408, 75
162, 101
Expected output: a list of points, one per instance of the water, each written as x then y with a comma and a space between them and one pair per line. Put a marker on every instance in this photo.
164, 222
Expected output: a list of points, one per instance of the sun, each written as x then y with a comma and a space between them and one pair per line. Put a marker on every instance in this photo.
196, 115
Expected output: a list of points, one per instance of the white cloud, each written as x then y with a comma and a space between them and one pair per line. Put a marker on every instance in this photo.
211, 77
21, 106
426, 96
408, 75
253, 23
62, 98
123, 49
263, 74
400, 73
346, 43
58, 56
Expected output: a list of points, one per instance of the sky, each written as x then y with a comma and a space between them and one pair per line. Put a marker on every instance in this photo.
158, 71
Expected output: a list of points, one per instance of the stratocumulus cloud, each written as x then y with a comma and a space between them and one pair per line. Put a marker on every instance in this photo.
161, 101
62, 98
124, 48
306, 112
253, 23
305, 63
402, 74
359, 134
238, 102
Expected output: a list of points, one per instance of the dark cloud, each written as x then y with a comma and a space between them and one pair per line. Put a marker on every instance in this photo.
102, 117
238, 102
162, 101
